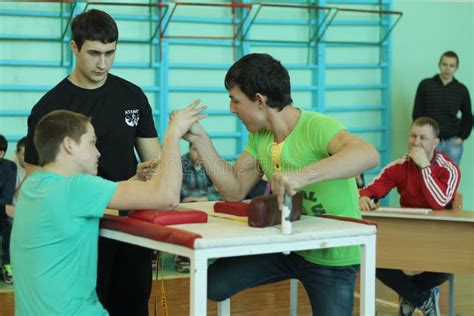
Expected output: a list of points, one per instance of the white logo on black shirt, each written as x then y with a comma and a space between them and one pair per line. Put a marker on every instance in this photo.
132, 117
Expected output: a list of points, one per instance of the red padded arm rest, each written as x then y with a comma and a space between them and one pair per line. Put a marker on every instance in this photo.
232, 208
175, 217
148, 230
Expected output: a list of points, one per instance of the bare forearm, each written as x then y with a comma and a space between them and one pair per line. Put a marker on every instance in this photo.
349, 162
222, 173
148, 148
163, 188
169, 177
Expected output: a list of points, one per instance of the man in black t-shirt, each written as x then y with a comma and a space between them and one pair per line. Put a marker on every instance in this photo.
123, 121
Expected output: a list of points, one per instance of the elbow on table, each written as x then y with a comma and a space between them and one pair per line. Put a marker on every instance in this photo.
167, 204
166, 200
232, 197
172, 201
171, 205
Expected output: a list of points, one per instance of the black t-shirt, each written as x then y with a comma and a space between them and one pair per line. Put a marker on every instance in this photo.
119, 111
7, 184
442, 103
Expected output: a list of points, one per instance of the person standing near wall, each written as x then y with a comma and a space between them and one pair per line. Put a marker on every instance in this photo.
123, 121
9, 209
441, 98
7, 191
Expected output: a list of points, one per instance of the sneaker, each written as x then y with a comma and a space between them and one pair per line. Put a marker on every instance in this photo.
430, 306
7, 274
181, 264
406, 308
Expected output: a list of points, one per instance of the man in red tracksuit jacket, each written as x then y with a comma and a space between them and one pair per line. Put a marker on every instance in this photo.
424, 178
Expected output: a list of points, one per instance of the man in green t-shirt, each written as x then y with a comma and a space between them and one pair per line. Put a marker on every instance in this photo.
297, 151
56, 227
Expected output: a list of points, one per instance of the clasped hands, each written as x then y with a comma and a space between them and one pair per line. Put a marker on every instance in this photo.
180, 123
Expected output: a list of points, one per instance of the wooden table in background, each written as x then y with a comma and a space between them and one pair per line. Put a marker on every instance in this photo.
442, 241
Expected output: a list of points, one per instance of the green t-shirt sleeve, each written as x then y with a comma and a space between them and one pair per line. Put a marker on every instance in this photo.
251, 146
323, 132
90, 195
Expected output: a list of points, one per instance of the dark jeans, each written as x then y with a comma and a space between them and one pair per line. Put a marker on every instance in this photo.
124, 277
330, 289
415, 288
7, 224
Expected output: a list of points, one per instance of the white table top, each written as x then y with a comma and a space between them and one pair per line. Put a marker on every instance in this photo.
228, 230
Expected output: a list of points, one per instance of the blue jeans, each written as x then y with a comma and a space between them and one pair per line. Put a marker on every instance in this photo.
415, 288
451, 149
330, 289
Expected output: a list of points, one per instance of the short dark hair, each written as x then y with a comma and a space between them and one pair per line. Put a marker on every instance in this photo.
423, 120
3, 143
21, 143
94, 25
53, 128
261, 73
451, 54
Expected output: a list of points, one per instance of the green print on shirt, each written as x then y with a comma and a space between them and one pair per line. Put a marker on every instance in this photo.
317, 209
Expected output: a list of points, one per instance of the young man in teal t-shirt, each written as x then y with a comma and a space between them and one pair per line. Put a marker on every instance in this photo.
297, 151
56, 227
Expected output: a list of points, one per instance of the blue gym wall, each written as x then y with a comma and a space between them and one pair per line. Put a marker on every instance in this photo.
340, 61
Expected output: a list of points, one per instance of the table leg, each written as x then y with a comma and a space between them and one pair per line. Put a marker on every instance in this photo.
198, 285
367, 277
293, 297
223, 308
451, 295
